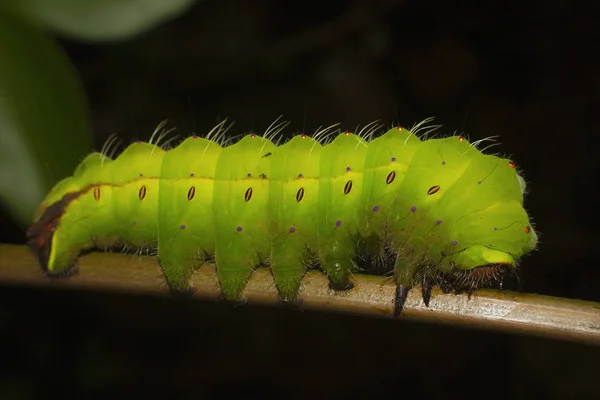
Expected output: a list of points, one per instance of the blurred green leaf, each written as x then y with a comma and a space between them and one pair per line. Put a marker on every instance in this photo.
97, 20
44, 122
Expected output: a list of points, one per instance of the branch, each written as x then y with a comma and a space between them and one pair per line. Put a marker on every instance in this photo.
556, 318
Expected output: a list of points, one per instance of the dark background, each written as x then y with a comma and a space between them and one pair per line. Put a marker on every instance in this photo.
524, 70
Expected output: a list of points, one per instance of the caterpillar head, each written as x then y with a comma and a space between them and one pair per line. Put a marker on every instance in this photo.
461, 222
493, 253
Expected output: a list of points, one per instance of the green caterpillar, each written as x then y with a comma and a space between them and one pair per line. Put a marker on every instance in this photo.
435, 212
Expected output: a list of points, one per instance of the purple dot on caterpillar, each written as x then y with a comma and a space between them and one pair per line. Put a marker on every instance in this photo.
192, 174
348, 169
376, 208
195, 137
300, 176
454, 243
393, 159
413, 208
338, 223
141, 175
292, 229
249, 175
439, 222
252, 135
182, 227
443, 162
479, 183
239, 229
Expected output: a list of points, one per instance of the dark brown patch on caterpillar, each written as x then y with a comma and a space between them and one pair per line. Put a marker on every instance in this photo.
248, 194
433, 190
142, 192
390, 178
348, 187
300, 194
41, 233
191, 193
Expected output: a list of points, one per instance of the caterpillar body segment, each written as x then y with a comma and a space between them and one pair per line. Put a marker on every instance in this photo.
338, 206
294, 201
435, 212
185, 209
241, 210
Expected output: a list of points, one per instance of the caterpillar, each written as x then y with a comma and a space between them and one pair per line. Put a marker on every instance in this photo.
430, 212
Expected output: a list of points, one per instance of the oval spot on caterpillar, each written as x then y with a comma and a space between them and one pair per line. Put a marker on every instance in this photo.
348, 187
433, 190
527, 229
191, 193
96, 193
390, 178
299, 194
142, 192
248, 194
511, 164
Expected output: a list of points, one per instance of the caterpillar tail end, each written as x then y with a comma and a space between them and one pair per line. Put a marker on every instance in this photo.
41, 238
41, 241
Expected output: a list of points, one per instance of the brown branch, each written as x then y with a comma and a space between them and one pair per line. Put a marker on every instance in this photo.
557, 318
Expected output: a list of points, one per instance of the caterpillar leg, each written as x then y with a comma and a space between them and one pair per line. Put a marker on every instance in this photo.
337, 262
178, 274
400, 299
426, 287
288, 269
405, 272
402, 294
178, 257
234, 269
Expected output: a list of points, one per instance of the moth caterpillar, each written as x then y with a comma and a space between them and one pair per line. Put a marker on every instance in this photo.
432, 211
